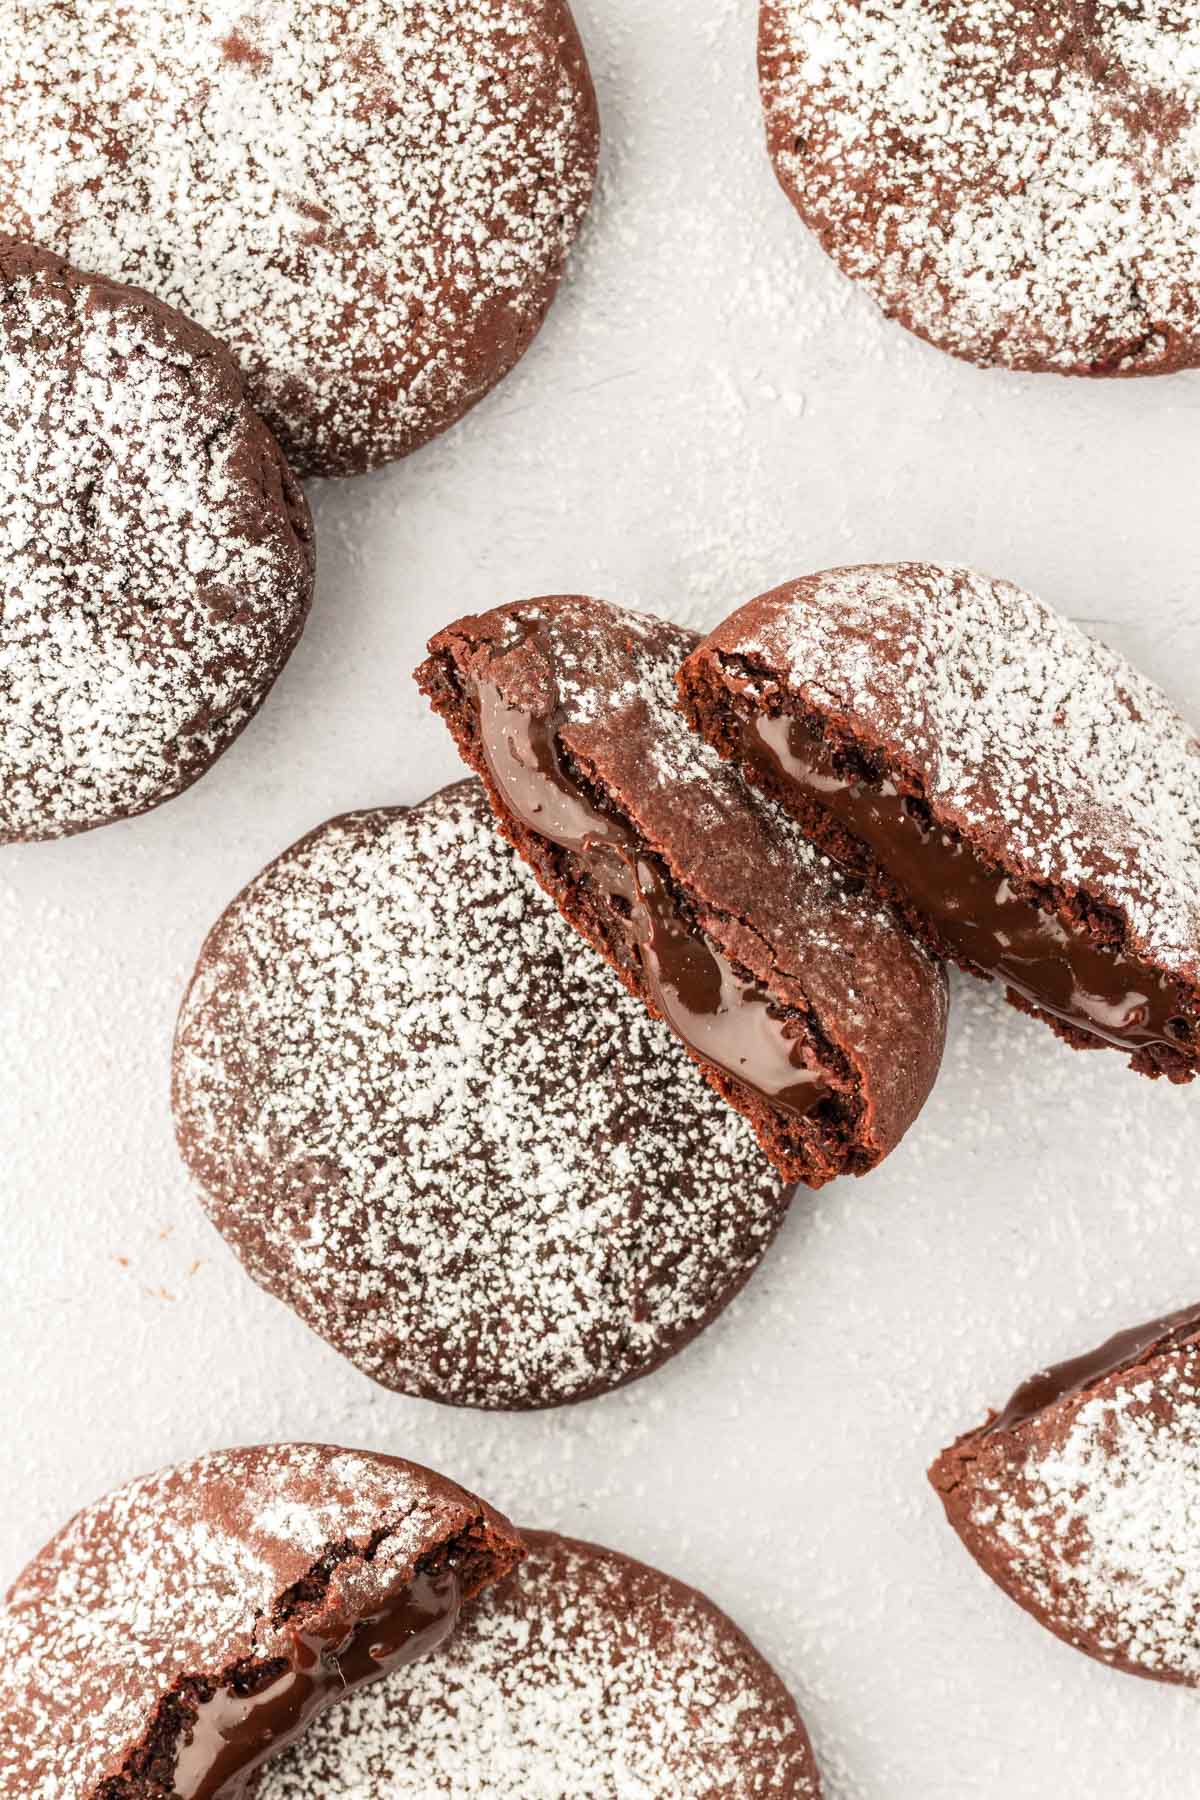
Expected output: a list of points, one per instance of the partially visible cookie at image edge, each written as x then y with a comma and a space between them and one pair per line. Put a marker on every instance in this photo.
1081, 1499
182, 1629
157, 553
1019, 184
1022, 796
371, 204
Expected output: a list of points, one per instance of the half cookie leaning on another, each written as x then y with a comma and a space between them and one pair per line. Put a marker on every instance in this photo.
804, 1003
177, 1634
1026, 800
1082, 1499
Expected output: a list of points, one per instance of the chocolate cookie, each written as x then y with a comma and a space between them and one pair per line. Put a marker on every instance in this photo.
805, 1005
1082, 1499
370, 203
587, 1674
430, 1119
179, 1632
1019, 184
1023, 797
157, 562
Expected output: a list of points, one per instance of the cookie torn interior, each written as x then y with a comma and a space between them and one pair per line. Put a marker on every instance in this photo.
769, 1059
210, 1734
1058, 957
722, 1016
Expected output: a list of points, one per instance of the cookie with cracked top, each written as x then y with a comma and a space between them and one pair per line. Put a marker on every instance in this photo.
370, 203
157, 563
804, 1002
431, 1120
182, 1630
1019, 183
1081, 1499
1023, 797
585, 1674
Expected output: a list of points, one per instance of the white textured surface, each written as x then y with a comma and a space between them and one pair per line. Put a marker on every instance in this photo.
709, 411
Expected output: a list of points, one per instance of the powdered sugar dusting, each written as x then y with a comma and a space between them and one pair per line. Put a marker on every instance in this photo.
178, 1574
1019, 183
586, 1675
431, 1118
1017, 724
1101, 1524
369, 201
152, 586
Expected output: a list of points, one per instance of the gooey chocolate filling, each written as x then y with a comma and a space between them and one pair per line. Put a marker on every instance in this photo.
235, 1734
977, 913
1067, 1379
722, 1017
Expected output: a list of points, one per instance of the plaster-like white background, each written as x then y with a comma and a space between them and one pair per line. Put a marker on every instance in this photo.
710, 410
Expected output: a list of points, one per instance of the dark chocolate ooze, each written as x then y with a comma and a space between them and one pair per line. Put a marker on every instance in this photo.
1067, 1379
977, 914
235, 1734
721, 1016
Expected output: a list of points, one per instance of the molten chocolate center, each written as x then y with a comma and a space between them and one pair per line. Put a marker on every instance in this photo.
1075, 1377
977, 914
236, 1734
723, 1018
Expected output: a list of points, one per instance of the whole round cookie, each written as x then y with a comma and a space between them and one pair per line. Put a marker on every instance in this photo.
156, 557
369, 201
183, 1629
1017, 183
432, 1121
585, 1674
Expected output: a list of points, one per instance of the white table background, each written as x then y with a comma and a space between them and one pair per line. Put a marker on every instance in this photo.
710, 410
